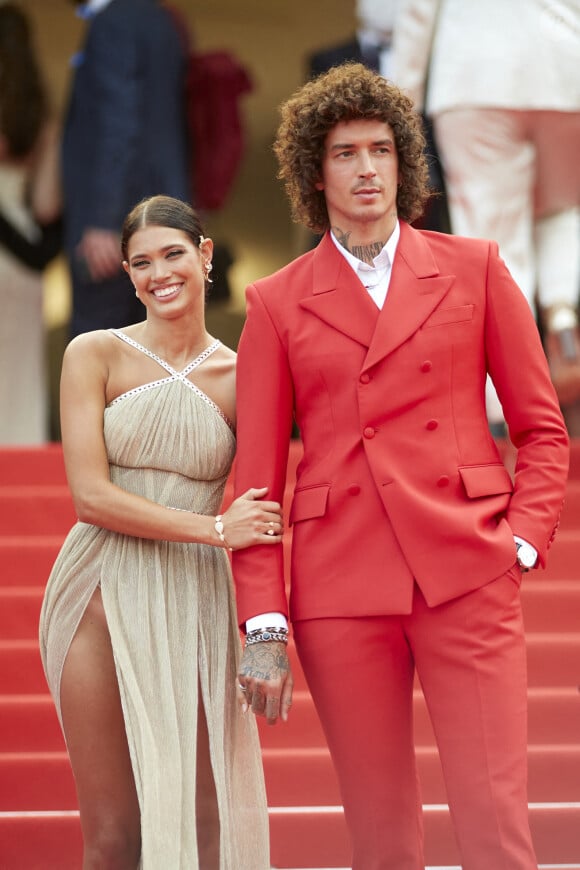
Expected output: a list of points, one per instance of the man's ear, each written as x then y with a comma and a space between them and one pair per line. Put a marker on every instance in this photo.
125, 265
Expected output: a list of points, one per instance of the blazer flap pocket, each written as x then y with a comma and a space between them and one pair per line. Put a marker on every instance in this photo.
481, 480
309, 502
450, 315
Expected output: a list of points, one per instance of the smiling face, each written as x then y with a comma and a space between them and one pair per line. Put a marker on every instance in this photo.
167, 269
360, 175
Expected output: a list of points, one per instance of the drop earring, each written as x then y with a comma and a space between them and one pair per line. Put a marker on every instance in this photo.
207, 265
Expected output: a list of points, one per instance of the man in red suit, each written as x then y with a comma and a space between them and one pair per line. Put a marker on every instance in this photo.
409, 535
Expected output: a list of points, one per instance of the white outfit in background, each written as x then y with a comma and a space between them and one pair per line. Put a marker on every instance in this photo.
23, 376
504, 94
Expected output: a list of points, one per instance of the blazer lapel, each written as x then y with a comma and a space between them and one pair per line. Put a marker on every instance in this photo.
415, 290
338, 297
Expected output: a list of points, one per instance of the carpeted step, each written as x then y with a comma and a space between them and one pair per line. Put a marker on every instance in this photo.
309, 839
40, 841
553, 716
26, 560
300, 837
36, 781
546, 603
554, 775
19, 611
563, 557
570, 518
553, 658
36, 510
21, 668
28, 723
32, 466
552, 661
44, 781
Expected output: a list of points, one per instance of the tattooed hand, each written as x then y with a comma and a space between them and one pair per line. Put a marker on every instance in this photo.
266, 677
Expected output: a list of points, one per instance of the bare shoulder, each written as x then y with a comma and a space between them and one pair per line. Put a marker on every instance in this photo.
97, 343
95, 351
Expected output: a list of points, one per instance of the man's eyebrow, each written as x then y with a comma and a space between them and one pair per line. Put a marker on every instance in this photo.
339, 145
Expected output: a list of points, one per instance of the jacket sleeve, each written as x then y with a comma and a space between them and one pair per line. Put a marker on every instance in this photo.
518, 367
264, 412
113, 80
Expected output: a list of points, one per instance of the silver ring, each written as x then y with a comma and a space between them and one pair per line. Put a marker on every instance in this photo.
271, 524
242, 688
270, 532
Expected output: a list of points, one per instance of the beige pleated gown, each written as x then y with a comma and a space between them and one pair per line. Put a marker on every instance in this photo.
171, 615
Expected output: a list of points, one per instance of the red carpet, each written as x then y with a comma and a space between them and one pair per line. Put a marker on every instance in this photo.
39, 827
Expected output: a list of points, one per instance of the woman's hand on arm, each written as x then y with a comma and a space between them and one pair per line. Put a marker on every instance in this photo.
249, 521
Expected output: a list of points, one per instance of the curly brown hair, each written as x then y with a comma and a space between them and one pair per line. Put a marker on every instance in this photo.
348, 92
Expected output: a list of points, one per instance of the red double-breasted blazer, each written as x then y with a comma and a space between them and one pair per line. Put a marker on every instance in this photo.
400, 480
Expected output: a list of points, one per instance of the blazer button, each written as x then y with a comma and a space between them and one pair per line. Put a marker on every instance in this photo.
431, 424
365, 378
353, 489
369, 432
443, 481
426, 366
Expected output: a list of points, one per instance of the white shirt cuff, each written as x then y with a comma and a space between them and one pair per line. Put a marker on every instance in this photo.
266, 620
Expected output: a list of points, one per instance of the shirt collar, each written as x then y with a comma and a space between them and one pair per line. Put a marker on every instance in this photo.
91, 8
383, 259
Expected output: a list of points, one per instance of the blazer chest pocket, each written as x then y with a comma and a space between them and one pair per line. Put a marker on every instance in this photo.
447, 316
309, 503
484, 480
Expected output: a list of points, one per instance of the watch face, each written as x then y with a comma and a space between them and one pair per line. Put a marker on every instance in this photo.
526, 558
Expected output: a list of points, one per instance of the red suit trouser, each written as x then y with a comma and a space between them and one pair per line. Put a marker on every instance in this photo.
470, 657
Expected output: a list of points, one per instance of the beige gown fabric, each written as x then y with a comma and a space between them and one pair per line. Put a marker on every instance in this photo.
170, 612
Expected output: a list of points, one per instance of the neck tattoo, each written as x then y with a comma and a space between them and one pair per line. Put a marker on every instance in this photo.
366, 253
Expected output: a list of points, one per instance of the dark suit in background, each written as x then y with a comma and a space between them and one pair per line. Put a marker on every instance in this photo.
125, 138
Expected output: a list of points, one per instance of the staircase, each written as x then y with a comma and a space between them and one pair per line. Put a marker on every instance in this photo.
39, 826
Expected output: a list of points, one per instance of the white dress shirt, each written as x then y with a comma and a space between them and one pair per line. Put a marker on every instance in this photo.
375, 278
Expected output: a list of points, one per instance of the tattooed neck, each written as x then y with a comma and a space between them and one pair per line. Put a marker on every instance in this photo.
366, 253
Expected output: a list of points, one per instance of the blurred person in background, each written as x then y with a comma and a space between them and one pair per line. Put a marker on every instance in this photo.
29, 230
500, 82
125, 138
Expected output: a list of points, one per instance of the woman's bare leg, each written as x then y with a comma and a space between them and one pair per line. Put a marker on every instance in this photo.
207, 816
98, 749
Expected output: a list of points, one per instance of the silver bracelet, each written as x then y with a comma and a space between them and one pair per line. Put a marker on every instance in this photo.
265, 635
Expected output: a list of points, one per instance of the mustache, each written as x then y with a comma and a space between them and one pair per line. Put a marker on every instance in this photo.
367, 186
